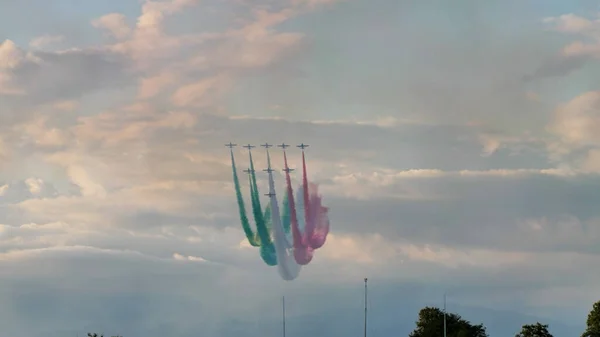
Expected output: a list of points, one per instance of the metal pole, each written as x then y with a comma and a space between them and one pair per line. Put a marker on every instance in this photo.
365, 333
444, 314
283, 316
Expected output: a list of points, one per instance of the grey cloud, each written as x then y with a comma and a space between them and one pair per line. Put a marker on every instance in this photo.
461, 68
165, 152
71, 74
475, 211
191, 209
557, 66
60, 76
124, 283
482, 212
18, 191
486, 208
408, 146
132, 295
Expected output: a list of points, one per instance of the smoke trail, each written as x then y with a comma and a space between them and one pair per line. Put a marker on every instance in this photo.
287, 266
302, 253
286, 217
300, 205
267, 248
308, 227
316, 217
250, 235
256, 207
266, 217
268, 224
319, 219
288, 239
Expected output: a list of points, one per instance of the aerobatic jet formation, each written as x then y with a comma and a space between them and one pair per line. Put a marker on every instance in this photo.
288, 239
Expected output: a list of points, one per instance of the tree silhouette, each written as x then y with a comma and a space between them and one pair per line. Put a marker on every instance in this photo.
431, 324
534, 330
593, 322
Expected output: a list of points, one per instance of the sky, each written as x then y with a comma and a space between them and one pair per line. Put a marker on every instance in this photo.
457, 145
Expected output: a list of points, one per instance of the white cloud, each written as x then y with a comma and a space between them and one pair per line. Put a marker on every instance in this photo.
151, 86
10, 55
45, 40
88, 186
203, 93
588, 29
115, 24
66, 105
571, 23
577, 122
180, 257
375, 249
372, 182
44, 136
34, 185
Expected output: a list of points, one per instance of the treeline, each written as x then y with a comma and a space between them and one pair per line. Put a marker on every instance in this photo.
431, 321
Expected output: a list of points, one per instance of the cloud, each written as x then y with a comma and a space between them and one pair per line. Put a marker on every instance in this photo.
445, 160
115, 24
45, 40
571, 23
43, 136
575, 125
10, 58
180, 257
201, 94
10, 55
34, 185
88, 187
151, 86
577, 121
576, 53
375, 249
61, 75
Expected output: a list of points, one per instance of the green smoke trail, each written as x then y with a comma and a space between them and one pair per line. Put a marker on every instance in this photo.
242, 208
267, 249
267, 217
256, 236
286, 218
259, 217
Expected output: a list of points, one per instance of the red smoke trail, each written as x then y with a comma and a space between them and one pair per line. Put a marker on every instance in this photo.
303, 254
308, 224
316, 218
320, 220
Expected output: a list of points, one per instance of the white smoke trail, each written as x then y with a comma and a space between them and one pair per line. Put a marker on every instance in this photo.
286, 264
